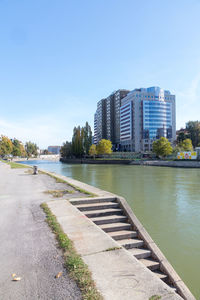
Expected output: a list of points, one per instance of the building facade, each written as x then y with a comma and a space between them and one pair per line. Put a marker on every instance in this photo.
107, 118
146, 114
54, 149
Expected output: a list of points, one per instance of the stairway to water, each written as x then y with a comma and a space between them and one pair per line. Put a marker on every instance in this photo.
107, 214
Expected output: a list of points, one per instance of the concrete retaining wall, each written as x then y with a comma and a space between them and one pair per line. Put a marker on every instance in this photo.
155, 163
142, 233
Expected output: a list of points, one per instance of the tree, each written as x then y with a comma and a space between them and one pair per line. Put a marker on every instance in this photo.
46, 152
6, 146
182, 136
162, 147
77, 142
93, 150
186, 145
66, 150
31, 149
18, 148
193, 128
104, 147
87, 138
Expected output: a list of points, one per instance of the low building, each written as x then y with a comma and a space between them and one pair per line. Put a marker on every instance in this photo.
54, 149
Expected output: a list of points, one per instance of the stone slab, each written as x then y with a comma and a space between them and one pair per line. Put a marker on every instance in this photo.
118, 275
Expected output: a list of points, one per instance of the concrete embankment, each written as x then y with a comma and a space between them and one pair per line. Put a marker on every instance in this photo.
124, 261
138, 269
155, 163
96, 161
163, 163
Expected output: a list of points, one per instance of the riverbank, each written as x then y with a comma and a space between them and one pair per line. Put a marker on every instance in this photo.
28, 248
91, 242
154, 163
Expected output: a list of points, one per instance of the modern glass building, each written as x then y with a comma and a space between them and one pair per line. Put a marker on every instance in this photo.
157, 119
152, 116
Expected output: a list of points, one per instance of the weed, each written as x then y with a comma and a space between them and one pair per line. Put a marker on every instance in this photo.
58, 193
113, 248
155, 297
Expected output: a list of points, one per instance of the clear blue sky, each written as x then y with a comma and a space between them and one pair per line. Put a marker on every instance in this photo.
58, 58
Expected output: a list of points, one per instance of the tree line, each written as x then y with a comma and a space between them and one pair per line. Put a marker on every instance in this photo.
81, 144
14, 147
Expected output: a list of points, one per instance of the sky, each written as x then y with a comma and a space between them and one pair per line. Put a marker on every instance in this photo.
59, 58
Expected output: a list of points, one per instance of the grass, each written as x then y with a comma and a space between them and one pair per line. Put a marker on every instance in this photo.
78, 270
58, 193
15, 165
155, 297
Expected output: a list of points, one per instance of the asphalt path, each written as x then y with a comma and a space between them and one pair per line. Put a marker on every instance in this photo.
27, 246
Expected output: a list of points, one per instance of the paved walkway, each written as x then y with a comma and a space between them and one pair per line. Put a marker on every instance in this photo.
27, 246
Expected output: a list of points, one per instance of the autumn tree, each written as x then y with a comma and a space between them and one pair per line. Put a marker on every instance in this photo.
18, 148
104, 147
93, 150
6, 146
162, 147
186, 145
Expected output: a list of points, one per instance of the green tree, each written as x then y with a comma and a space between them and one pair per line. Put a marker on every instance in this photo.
193, 128
93, 150
6, 146
18, 148
104, 147
182, 136
162, 147
77, 142
66, 150
87, 138
186, 145
31, 149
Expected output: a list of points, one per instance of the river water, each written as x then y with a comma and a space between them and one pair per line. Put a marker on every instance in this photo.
165, 200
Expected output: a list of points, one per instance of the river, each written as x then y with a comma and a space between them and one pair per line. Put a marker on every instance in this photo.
165, 200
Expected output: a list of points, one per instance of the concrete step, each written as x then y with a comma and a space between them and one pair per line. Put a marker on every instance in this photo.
92, 200
109, 219
140, 253
150, 263
97, 206
131, 243
123, 234
103, 212
173, 288
115, 227
161, 275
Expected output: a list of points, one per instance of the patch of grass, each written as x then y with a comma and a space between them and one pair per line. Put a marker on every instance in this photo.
77, 268
155, 297
15, 165
58, 193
